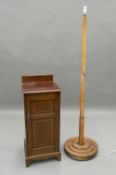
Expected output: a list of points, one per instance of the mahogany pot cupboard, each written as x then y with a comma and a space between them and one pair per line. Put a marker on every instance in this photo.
42, 118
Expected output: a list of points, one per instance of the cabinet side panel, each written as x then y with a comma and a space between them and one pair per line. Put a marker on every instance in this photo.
28, 125
57, 110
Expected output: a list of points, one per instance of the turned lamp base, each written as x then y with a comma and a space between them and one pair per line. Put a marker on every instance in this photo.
81, 152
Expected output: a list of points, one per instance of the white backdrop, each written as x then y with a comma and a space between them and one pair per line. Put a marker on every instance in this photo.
44, 36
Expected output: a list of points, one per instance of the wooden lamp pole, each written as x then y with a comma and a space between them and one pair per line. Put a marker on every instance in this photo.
82, 148
83, 78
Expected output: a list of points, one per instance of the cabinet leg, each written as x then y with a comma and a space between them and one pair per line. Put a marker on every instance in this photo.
58, 157
28, 162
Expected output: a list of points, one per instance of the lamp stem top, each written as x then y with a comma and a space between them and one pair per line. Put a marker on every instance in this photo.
84, 10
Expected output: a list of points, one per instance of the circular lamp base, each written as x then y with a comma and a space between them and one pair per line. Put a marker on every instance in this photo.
81, 152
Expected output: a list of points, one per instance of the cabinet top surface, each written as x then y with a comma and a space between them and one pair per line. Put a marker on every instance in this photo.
37, 85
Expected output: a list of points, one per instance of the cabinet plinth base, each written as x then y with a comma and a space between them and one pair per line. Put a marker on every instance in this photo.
29, 159
81, 152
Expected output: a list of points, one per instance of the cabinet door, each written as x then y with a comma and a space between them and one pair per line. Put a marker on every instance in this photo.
43, 124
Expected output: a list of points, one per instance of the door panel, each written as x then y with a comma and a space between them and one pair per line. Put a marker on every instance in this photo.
43, 132
44, 123
42, 106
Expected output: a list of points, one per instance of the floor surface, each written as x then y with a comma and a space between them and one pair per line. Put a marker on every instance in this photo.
100, 125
